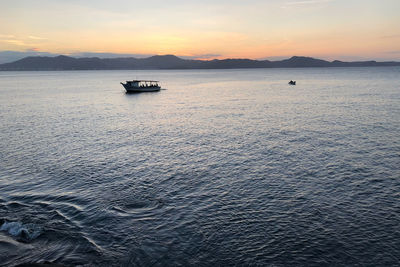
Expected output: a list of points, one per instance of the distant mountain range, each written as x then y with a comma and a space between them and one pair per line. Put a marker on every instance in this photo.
172, 62
11, 56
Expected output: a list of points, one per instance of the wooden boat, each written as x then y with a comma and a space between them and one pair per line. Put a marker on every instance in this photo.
140, 86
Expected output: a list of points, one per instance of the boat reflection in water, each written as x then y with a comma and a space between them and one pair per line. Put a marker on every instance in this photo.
140, 86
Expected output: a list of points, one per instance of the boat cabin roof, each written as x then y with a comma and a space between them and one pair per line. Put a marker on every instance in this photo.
139, 81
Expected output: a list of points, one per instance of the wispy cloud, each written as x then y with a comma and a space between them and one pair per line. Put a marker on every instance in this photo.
394, 36
393, 52
202, 56
24, 41
106, 55
7, 36
15, 42
304, 3
36, 37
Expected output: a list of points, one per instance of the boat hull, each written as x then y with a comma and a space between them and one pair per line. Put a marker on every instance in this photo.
132, 89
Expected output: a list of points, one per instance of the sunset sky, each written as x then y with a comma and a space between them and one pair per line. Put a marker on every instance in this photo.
329, 29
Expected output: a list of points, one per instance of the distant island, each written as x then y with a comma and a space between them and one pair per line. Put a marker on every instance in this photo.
37, 63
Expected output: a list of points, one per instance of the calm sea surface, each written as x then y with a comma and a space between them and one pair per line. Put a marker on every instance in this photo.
225, 167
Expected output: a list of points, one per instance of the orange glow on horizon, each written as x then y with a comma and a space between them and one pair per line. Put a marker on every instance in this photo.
254, 29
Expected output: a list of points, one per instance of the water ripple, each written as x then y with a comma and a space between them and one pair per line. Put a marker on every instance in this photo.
227, 167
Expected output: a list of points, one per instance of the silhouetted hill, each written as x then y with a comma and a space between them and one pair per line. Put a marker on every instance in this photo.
301, 62
11, 56
173, 62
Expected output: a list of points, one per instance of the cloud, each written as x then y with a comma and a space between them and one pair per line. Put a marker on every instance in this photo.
274, 58
36, 37
20, 41
304, 3
393, 52
15, 42
106, 55
202, 56
395, 36
7, 36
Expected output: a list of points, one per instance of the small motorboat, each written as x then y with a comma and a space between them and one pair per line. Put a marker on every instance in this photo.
140, 86
292, 82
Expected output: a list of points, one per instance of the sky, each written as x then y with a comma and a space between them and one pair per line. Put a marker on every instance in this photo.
205, 29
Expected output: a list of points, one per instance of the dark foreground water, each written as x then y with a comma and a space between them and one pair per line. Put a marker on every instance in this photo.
226, 167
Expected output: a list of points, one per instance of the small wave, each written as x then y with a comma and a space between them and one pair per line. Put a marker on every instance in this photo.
26, 232
137, 206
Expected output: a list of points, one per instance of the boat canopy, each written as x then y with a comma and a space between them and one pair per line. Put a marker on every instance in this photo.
144, 81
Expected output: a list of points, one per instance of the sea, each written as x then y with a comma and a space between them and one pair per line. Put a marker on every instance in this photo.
220, 168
